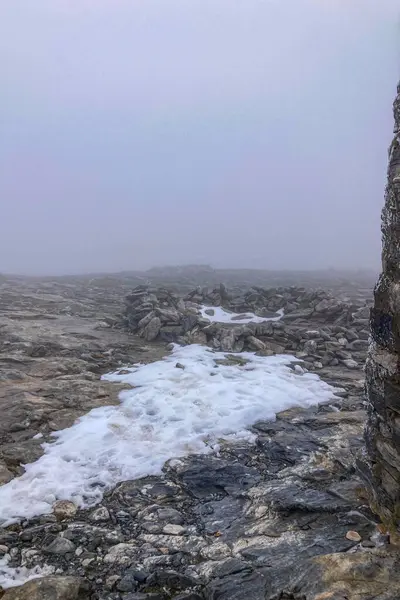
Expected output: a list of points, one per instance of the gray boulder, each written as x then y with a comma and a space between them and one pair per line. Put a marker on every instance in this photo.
152, 329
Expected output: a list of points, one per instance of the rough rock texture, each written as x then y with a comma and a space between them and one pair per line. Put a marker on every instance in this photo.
319, 328
249, 522
283, 519
382, 434
56, 340
319, 303
49, 588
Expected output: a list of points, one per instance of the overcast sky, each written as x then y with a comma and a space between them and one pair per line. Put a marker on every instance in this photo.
136, 133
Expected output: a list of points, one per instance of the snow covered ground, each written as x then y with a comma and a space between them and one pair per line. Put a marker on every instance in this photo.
222, 316
170, 412
11, 577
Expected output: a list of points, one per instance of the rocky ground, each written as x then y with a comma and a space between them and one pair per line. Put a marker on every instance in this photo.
284, 518
56, 340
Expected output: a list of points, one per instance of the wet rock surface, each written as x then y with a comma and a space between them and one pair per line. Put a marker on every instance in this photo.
283, 518
232, 525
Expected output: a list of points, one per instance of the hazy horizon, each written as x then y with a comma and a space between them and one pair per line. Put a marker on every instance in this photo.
240, 134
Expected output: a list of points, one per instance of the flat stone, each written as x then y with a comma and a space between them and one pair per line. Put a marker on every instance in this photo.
353, 536
172, 529
350, 363
60, 546
121, 554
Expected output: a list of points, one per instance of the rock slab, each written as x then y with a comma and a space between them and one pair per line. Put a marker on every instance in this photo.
381, 465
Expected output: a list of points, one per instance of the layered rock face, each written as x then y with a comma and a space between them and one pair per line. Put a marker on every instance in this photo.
382, 468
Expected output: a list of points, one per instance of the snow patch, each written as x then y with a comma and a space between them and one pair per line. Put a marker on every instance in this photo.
13, 576
222, 316
171, 412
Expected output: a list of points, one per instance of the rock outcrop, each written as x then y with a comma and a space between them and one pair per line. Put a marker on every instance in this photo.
318, 328
319, 304
382, 467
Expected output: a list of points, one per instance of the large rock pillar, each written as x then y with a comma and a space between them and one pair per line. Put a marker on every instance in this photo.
382, 432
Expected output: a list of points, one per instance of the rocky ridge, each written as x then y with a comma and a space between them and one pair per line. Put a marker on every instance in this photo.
316, 327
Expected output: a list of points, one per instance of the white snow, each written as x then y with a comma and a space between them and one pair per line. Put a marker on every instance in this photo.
222, 316
170, 412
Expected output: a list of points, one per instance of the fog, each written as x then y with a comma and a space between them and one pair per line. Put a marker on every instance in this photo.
239, 133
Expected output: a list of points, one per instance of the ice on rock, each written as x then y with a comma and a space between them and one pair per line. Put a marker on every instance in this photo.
222, 316
169, 413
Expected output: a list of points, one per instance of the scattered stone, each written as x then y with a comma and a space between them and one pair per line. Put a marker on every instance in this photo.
159, 313
173, 529
64, 509
170, 579
367, 544
111, 581
121, 554
152, 329
127, 584
350, 363
60, 546
100, 514
353, 536
255, 344
48, 588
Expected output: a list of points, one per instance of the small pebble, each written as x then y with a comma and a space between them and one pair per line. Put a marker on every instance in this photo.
60, 546
353, 536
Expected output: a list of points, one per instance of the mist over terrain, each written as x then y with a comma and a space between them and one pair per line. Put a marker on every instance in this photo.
239, 134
